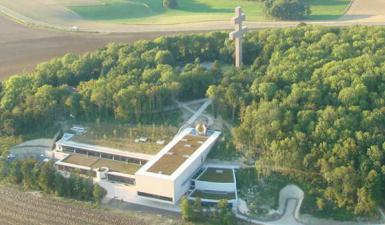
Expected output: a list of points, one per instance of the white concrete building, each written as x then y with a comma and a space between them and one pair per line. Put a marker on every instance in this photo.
89, 159
177, 170
214, 184
167, 177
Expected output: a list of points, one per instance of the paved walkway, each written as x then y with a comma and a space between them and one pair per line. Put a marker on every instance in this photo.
196, 114
288, 218
290, 201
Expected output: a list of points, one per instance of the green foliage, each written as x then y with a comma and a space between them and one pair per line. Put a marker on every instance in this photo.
223, 214
164, 57
224, 148
98, 193
4, 168
15, 175
193, 211
188, 11
310, 103
287, 9
6, 142
308, 99
170, 4
47, 177
130, 83
186, 209
29, 174
197, 209
44, 177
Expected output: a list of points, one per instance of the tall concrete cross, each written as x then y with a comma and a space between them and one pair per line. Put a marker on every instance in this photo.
238, 34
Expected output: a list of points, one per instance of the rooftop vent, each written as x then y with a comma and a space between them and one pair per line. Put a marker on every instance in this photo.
187, 145
186, 156
219, 171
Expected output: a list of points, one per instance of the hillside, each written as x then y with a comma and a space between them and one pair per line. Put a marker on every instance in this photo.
309, 99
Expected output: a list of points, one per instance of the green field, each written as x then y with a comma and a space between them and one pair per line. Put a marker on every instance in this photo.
152, 12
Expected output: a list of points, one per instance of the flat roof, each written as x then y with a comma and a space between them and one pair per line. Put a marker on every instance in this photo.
178, 154
66, 140
217, 175
95, 162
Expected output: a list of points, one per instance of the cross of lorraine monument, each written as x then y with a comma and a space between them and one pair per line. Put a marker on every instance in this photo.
238, 34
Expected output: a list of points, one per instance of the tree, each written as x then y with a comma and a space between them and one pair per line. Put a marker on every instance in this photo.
287, 9
224, 215
186, 209
170, 4
98, 194
15, 174
4, 167
27, 167
197, 209
164, 57
47, 177
60, 185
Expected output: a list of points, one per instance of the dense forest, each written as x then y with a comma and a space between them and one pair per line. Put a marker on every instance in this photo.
308, 99
123, 82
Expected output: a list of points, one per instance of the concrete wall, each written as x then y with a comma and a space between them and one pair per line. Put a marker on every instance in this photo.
155, 185
211, 186
182, 183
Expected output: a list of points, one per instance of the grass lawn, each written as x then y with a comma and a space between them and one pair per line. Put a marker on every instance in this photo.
217, 175
122, 136
94, 162
327, 9
152, 12
81, 160
127, 168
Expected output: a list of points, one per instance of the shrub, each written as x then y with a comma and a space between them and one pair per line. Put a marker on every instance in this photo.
287, 9
170, 4
186, 209
98, 193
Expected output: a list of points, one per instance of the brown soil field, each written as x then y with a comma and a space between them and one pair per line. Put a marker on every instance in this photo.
23, 208
22, 47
